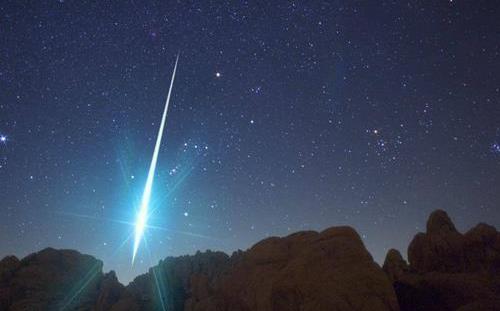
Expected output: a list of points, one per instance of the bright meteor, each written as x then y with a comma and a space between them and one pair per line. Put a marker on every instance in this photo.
142, 215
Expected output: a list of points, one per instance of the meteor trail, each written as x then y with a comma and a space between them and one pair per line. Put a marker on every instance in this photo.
142, 215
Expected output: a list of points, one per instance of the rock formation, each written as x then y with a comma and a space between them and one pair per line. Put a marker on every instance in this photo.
169, 284
448, 270
110, 291
394, 265
50, 280
329, 270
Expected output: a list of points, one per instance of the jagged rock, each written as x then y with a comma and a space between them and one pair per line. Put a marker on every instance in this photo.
110, 291
330, 270
171, 283
444, 249
482, 249
449, 270
440, 249
7, 266
394, 264
440, 223
305, 271
50, 280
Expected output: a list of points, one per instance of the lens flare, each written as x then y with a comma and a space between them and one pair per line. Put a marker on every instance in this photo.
142, 215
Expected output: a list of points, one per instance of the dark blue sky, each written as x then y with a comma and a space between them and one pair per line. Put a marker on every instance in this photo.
285, 116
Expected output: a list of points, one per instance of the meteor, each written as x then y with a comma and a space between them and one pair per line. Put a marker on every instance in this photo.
142, 215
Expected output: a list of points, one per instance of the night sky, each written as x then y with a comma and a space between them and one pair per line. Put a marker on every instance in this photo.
285, 116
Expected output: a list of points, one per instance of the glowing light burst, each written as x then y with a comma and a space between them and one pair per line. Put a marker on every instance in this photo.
142, 216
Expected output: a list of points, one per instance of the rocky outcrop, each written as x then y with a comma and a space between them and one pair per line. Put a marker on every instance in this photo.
448, 270
394, 265
8, 266
330, 270
482, 249
169, 284
109, 292
440, 248
51, 280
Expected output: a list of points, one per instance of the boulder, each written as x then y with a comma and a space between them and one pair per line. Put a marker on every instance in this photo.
448, 270
171, 283
394, 265
50, 279
57, 279
482, 249
110, 291
8, 266
441, 248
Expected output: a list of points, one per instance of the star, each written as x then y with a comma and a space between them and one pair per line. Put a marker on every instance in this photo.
345, 121
495, 148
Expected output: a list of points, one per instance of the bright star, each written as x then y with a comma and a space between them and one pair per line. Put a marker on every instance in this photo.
217, 74
3, 139
495, 147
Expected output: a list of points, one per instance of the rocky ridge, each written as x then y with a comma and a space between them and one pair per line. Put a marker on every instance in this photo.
328, 270
448, 270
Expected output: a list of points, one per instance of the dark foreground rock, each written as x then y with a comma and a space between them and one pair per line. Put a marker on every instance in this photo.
50, 280
331, 270
306, 271
448, 270
170, 284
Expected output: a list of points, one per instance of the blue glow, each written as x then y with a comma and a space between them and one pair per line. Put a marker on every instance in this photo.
142, 216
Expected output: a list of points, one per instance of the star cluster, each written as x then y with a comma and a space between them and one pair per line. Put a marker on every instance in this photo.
285, 116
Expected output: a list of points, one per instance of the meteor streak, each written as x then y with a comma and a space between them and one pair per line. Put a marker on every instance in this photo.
142, 216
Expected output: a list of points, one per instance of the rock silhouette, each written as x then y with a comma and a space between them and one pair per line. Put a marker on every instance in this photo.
50, 280
328, 270
448, 270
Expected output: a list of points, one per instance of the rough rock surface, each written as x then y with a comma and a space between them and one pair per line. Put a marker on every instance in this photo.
440, 248
8, 266
330, 270
448, 270
394, 265
109, 292
306, 271
169, 284
50, 280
